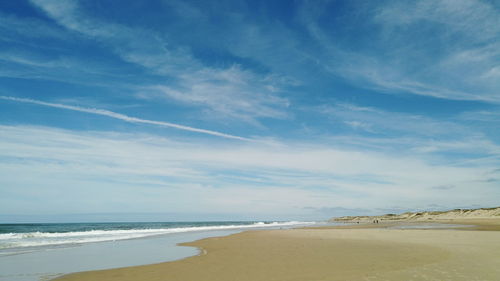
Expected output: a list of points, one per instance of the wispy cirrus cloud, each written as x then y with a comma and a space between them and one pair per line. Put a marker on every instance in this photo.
230, 92
460, 40
382, 122
61, 68
457, 142
473, 19
226, 92
13, 27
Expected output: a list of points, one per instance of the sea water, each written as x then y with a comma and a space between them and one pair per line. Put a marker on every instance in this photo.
34, 252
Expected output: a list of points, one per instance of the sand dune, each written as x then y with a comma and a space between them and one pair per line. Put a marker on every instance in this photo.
457, 214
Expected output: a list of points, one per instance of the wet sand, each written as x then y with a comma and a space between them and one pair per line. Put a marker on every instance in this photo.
358, 252
477, 224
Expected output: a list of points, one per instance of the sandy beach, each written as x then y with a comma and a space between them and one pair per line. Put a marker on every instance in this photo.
359, 252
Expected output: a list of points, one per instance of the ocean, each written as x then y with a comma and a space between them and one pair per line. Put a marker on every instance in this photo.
19, 236
39, 252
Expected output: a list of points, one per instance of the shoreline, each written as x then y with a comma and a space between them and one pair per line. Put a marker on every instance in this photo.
347, 252
49, 261
54, 262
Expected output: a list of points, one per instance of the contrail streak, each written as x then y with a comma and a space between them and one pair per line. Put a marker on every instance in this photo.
124, 117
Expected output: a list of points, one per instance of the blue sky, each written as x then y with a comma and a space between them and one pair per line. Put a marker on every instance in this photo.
203, 110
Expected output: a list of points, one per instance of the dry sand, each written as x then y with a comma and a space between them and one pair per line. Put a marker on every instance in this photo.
345, 253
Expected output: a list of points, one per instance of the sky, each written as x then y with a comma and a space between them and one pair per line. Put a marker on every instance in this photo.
247, 110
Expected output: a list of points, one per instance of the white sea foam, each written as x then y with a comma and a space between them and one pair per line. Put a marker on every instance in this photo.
34, 239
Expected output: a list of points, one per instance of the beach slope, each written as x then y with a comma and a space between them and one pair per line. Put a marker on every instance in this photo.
327, 254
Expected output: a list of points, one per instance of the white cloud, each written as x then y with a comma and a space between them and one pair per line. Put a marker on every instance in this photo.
477, 20
359, 125
481, 116
154, 172
13, 27
388, 123
63, 68
421, 47
230, 92
227, 92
